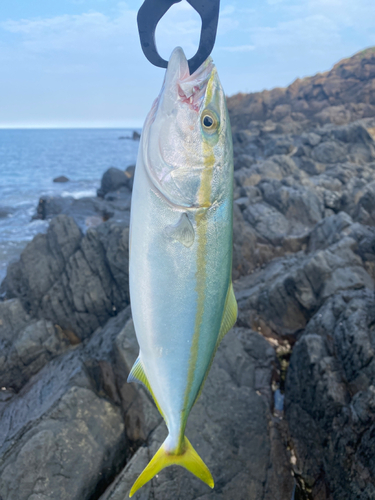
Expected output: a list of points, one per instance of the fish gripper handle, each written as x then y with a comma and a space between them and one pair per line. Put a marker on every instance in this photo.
152, 11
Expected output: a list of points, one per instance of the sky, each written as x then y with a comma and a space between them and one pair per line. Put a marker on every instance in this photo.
78, 63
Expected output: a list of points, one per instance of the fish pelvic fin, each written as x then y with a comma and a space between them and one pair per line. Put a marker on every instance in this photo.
188, 458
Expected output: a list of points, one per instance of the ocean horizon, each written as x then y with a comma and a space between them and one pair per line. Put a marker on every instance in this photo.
30, 158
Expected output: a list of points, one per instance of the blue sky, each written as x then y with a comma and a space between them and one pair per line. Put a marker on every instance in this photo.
79, 62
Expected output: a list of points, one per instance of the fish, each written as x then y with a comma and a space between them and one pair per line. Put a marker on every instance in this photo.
180, 246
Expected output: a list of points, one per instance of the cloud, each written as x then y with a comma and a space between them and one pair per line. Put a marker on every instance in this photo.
358, 14
239, 48
304, 27
86, 32
314, 32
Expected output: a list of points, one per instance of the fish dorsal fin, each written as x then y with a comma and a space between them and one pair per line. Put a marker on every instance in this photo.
183, 231
229, 316
227, 322
137, 374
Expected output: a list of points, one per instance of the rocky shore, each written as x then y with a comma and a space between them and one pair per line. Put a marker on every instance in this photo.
289, 405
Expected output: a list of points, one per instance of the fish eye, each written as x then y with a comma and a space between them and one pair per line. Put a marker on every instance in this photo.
209, 121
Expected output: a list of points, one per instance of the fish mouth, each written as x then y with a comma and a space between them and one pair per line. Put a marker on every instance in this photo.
180, 85
191, 88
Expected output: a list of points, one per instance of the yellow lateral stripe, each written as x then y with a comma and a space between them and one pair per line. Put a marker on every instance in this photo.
204, 200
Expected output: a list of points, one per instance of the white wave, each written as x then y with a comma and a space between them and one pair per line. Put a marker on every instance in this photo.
79, 194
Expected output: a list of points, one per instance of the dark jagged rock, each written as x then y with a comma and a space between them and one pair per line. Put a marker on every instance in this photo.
30, 349
58, 438
231, 423
112, 180
74, 425
109, 357
65, 428
281, 299
75, 281
13, 318
330, 230
276, 213
61, 178
330, 399
87, 212
339, 96
42, 262
50, 206
282, 198
329, 152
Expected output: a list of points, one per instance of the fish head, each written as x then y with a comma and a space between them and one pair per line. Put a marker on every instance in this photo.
187, 140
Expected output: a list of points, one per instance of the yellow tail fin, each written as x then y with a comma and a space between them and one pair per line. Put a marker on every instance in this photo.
188, 459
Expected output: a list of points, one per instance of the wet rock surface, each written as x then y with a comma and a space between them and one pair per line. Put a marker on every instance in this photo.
71, 427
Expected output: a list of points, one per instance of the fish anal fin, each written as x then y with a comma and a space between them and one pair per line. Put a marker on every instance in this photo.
189, 459
137, 374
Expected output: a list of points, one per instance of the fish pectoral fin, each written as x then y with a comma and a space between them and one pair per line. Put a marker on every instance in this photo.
183, 231
229, 316
189, 459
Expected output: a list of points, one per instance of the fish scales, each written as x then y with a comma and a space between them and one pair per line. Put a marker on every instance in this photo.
181, 250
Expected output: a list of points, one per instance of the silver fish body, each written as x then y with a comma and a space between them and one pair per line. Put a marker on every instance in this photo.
181, 250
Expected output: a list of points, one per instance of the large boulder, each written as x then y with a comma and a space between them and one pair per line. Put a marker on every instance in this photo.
13, 318
63, 435
277, 212
58, 438
42, 262
77, 282
330, 399
50, 206
281, 298
29, 350
89, 211
113, 179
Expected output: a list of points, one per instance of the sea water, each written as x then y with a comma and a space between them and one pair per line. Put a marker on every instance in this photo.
29, 161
